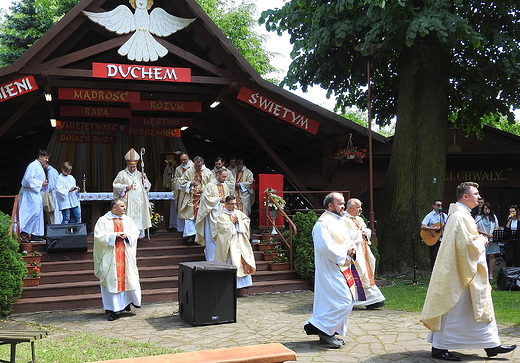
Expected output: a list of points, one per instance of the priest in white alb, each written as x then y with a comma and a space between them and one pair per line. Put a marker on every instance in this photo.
365, 291
133, 186
211, 205
458, 308
30, 207
192, 182
115, 260
233, 244
178, 191
244, 187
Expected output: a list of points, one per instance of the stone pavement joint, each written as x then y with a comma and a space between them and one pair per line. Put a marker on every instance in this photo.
374, 336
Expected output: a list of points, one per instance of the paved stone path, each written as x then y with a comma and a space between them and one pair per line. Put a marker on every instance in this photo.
374, 335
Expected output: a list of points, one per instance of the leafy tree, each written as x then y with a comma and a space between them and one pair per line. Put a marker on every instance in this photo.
430, 59
12, 268
237, 23
28, 20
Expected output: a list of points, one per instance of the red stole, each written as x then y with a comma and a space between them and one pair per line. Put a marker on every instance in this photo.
120, 256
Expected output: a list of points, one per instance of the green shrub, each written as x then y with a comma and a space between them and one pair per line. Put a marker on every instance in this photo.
12, 268
303, 245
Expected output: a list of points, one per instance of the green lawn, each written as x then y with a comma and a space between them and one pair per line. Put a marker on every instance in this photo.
402, 294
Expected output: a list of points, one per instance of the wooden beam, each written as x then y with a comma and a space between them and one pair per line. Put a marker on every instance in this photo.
181, 53
268, 149
84, 53
20, 112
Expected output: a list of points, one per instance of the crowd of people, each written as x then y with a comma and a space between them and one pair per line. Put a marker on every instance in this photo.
46, 197
212, 206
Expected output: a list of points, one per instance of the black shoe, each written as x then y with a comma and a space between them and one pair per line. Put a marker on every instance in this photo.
445, 355
491, 352
112, 317
312, 330
375, 305
329, 342
128, 308
340, 341
190, 240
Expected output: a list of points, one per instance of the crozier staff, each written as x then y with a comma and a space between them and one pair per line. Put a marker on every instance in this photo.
133, 186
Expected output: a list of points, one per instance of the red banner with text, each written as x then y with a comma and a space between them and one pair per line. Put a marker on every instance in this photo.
265, 104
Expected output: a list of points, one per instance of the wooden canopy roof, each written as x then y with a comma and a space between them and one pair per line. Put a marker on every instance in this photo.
64, 57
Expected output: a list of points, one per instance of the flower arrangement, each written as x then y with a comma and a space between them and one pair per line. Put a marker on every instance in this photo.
354, 153
34, 272
276, 197
35, 253
155, 217
280, 258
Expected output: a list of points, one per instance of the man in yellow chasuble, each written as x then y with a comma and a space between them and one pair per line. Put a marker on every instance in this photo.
458, 308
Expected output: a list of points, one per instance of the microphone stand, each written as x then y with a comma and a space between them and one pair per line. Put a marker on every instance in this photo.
415, 264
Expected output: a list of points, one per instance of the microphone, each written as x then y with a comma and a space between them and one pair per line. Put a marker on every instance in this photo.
440, 209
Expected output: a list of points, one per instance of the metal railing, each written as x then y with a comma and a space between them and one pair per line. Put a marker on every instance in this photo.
292, 227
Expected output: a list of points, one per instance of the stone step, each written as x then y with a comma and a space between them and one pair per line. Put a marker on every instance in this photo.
68, 282
93, 299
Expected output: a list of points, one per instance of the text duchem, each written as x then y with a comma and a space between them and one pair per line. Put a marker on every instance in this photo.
140, 72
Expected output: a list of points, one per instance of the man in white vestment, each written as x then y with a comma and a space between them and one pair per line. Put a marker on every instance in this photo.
233, 244
211, 205
458, 308
333, 251
178, 192
192, 183
115, 261
233, 166
30, 204
219, 164
67, 193
365, 291
133, 186
244, 187
51, 212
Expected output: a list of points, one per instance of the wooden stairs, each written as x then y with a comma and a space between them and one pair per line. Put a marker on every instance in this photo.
67, 280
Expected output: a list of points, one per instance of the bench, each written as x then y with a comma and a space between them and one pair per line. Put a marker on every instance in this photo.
14, 337
263, 353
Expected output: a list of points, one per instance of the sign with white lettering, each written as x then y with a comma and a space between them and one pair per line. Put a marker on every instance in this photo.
86, 138
141, 73
265, 104
17, 88
98, 95
137, 131
106, 112
166, 122
87, 126
168, 106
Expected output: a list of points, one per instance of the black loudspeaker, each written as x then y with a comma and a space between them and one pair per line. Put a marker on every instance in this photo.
509, 279
71, 237
207, 293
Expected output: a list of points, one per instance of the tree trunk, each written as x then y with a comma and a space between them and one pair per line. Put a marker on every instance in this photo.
416, 173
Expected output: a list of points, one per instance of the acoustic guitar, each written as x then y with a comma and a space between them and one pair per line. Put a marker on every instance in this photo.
431, 237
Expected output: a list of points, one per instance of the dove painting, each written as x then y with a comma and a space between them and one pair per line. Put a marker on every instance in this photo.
141, 46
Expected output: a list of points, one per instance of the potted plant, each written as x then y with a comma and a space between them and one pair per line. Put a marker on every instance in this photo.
33, 277
29, 258
351, 153
155, 217
278, 199
280, 262
269, 254
264, 245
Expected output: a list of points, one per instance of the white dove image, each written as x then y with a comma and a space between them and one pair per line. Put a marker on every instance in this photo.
141, 46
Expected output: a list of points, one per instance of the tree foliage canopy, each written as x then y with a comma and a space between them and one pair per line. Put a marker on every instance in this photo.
481, 39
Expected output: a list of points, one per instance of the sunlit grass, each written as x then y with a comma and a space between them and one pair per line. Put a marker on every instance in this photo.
64, 346
402, 294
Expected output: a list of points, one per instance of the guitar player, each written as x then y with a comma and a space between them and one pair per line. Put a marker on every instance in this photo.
432, 227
